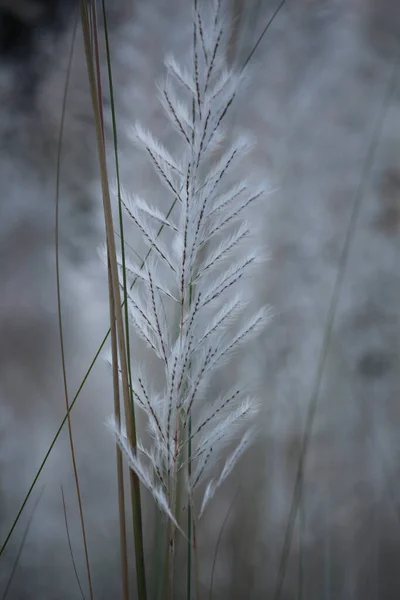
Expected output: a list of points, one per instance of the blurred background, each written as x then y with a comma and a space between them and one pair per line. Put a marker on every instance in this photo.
324, 105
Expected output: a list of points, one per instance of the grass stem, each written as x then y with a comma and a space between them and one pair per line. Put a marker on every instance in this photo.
111, 249
60, 323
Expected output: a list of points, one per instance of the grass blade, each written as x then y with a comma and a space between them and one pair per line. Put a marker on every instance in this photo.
70, 544
60, 322
92, 61
21, 546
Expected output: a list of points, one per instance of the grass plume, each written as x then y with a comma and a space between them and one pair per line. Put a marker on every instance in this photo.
188, 304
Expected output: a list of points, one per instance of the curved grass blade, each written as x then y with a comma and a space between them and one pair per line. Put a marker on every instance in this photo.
21, 546
59, 311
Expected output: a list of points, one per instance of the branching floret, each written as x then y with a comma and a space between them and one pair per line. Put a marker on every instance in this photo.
199, 277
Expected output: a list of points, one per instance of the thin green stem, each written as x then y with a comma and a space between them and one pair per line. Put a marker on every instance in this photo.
221, 531
120, 206
196, 561
189, 521
264, 31
70, 544
163, 593
53, 443
120, 471
21, 546
93, 61
59, 311
189, 516
117, 406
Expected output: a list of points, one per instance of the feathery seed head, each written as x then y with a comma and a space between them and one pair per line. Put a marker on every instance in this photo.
198, 276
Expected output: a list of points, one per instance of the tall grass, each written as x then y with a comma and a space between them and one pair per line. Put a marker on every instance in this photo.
198, 279
184, 300
116, 319
187, 303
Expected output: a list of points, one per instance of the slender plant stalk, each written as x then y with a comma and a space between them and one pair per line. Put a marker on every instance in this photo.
175, 502
163, 587
171, 562
221, 531
50, 448
130, 415
196, 561
189, 465
120, 208
264, 31
120, 472
60, 323
189, 517
114, 345
21, 546
70, 544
